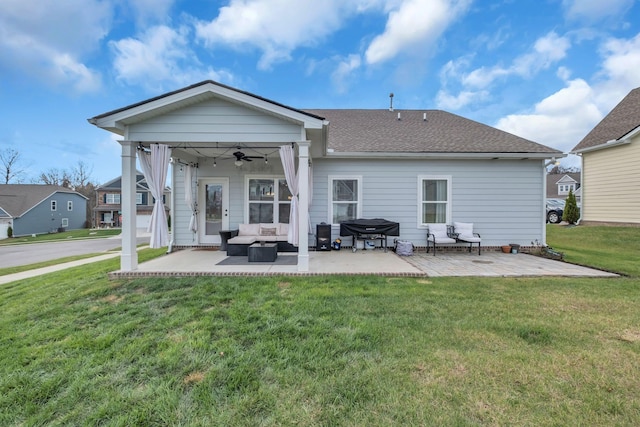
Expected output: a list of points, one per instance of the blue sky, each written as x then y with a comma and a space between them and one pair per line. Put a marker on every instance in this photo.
547, 70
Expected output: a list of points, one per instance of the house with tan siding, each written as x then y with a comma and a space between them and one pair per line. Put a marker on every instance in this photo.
610, 165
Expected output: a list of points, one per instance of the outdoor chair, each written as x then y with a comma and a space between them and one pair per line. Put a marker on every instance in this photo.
463, 232
438, 234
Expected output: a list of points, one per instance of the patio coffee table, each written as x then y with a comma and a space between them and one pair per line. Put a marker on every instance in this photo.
263, 252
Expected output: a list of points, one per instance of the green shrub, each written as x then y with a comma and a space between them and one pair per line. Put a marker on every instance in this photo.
571, 212
10, 232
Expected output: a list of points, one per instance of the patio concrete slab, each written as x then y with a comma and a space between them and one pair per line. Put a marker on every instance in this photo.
198, 262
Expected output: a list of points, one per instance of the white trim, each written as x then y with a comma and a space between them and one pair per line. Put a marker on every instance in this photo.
449, 210
203, 237
443, 155
358, 179
608, 144
69, 205
54, 205
275, 202
118, 121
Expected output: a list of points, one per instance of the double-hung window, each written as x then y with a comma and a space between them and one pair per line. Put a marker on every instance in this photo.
54, 205
69, 205
434, 200
112, 199
269, 200
346, 198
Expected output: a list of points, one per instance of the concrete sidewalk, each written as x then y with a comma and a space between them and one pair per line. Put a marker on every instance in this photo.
52, 268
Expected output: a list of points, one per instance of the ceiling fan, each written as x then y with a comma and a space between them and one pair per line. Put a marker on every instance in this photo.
240, 157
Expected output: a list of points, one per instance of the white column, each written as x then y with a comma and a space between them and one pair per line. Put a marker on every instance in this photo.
303, 205
129, 256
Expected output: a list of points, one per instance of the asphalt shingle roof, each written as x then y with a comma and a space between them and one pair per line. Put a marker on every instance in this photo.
624, 118
16, 199
441, 132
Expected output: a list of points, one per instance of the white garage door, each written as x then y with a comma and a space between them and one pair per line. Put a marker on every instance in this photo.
3, 230
142, 221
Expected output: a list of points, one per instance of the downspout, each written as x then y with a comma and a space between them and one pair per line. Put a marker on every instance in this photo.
581, 188
544, 203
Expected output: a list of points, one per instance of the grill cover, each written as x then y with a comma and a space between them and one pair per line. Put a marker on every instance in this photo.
369, 226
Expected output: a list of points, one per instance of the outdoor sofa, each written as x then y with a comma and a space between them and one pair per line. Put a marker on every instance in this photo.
249, 234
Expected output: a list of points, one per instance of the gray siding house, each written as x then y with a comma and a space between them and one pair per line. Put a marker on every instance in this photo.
39, 209
108, 210
414, 167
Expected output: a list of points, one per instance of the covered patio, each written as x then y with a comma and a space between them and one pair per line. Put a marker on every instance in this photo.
202, 262
236, 158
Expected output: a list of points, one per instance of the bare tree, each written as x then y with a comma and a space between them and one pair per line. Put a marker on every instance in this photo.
78, 178
10, 161
56, 176
559, 169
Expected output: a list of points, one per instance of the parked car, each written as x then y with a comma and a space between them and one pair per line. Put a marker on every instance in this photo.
555, 208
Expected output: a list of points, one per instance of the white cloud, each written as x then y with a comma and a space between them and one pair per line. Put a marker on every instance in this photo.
546, 50
560, 120
447, 101
158, 58
564, 118
150, 11
47, 38
276, 27
593, 11
620, 69
344, 71
413, 25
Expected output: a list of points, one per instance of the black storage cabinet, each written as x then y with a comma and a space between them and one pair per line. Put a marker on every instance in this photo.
323, 237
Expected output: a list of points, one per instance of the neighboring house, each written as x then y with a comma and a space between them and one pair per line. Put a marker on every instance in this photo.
414, 167
610, 172
108, 209
559, 184
38, 209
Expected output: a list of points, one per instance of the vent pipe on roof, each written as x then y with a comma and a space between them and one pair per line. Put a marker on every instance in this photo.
399, 118
424, 117
391, 101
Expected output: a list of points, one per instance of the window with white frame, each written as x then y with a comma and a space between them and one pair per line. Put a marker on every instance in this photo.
54, 205
138, 198
434, 200
69, 205
112, 199
345, 198
268, 200
65, 222
565, 188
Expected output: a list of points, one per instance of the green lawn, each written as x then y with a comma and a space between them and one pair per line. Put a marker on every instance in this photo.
84, 233
77, 349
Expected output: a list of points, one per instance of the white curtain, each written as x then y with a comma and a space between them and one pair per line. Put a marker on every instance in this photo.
154, 166
289, 166
310, 195
189, 200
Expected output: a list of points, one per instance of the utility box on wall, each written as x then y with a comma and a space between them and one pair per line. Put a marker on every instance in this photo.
323, 237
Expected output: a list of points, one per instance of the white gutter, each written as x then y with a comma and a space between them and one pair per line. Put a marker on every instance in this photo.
626, 139
457, 156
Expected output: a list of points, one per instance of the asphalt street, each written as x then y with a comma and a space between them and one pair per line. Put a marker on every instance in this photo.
15, 255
